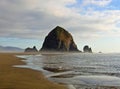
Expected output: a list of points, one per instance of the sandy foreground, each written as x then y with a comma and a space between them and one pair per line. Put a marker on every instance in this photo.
21, 78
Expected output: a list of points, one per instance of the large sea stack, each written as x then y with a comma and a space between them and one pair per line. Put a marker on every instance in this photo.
59, 40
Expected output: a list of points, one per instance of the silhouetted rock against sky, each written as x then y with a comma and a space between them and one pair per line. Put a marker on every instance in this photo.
87, 49
59, 40
34, 49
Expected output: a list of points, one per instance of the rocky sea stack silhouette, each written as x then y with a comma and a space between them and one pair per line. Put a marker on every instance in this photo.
87, 49
34, 49
59, 40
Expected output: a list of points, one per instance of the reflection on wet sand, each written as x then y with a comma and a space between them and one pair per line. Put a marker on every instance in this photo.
79, 71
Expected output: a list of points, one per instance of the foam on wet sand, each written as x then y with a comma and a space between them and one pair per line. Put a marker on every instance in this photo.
21, 78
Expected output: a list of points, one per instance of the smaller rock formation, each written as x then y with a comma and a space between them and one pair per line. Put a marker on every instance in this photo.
34, 49
87, 49
99, 52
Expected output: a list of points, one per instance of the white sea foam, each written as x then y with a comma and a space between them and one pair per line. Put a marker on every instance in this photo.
103, 80
84, 69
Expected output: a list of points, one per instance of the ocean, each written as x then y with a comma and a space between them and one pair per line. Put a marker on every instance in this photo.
77, 70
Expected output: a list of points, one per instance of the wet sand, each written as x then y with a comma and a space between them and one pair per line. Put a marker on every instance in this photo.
21, 78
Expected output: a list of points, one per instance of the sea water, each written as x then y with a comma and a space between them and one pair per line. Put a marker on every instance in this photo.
78, 70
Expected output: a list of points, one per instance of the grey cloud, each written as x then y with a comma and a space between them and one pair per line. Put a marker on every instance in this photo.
26, 24
22, 19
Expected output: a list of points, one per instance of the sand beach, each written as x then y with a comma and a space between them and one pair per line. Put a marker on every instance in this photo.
21, 78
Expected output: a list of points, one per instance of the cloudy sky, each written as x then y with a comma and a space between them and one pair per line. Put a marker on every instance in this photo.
96, 23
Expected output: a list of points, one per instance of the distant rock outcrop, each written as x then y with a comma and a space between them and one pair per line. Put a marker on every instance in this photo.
87, 49
59, 40
34, 49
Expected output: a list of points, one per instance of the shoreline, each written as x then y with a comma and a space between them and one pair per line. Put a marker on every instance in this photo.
22, 78
27, 78
84, 86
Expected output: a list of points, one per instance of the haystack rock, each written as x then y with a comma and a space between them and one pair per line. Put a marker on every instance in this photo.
87, 49
59, 40
34, 49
